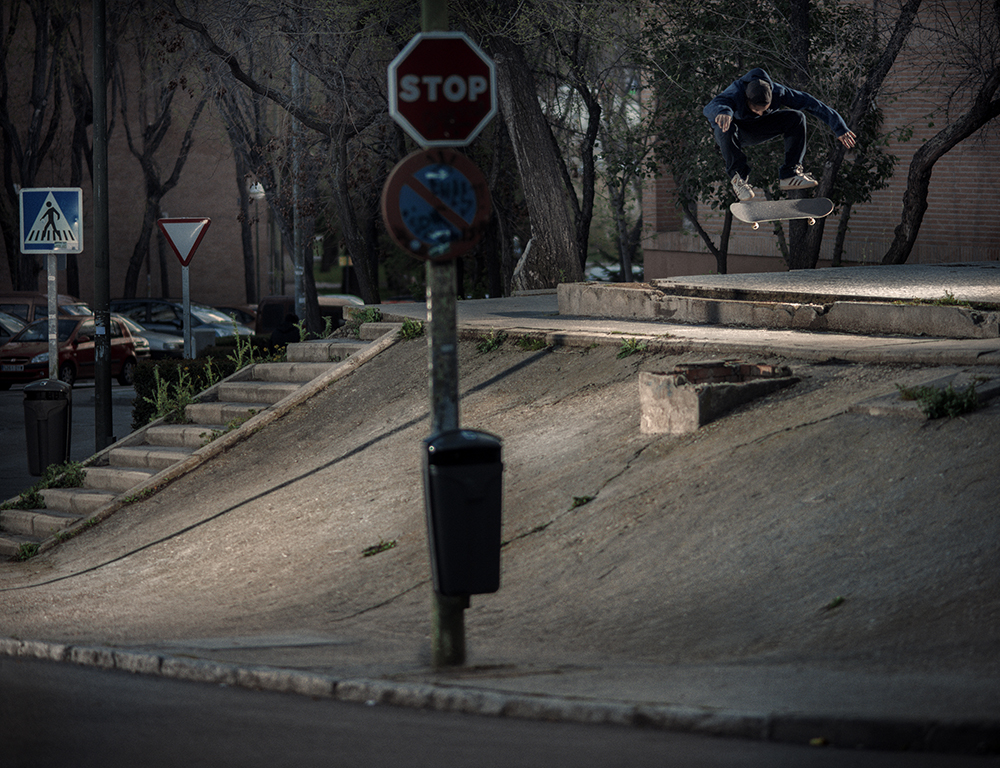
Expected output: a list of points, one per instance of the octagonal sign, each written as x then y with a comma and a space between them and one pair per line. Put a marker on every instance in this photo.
442, 89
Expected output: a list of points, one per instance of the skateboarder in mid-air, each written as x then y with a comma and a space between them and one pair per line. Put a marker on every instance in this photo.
750, 111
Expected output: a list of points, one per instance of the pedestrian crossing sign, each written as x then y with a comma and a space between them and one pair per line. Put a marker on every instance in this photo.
51, 220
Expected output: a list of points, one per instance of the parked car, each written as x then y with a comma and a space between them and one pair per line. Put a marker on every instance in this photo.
26, 356
167, 316
160, 345
271, 310
9, 325
243, 315
34, 305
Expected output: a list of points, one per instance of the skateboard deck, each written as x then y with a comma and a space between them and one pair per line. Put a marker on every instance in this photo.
809, 208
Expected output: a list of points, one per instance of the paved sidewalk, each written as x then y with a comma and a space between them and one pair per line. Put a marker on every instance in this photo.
802, 704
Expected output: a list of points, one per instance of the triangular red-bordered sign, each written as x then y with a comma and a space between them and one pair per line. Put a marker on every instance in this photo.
184, 235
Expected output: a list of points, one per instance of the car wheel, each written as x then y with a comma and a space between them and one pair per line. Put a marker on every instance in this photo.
127, 376
67, 373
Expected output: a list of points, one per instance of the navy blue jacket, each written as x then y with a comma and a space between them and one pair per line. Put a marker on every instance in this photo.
733, 101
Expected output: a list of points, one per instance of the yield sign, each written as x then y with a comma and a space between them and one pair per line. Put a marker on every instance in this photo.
184, 235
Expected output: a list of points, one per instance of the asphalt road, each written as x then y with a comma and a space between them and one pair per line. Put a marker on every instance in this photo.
14, 475
56, 715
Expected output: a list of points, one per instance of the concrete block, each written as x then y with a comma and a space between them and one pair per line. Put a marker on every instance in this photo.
691, 396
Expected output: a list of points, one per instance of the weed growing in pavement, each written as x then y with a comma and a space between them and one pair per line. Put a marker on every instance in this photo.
412, 329
26, 551
937, 403
375, 549
62, 536
236, 423
145, 493
579, 501
170, 401
491, 342
68, 475
356, 319
531, 343
630, 347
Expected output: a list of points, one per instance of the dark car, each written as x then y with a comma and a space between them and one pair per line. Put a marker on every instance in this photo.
26, 357
167, 316
273, 310
9, 325
243, 315
160, 345
33, 305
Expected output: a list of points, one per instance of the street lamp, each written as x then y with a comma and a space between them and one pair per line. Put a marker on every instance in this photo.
257, 192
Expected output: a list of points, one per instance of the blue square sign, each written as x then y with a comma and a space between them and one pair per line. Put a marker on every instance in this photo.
51, 220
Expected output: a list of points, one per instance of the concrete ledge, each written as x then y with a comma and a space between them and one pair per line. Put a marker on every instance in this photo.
645, 301
693, 395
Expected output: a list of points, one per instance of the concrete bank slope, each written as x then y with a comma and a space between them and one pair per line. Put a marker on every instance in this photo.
960, 301
800, 569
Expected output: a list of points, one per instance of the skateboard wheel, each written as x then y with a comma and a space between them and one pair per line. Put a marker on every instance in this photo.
755, 225
812, 221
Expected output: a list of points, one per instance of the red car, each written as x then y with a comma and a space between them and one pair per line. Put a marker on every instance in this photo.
26, 356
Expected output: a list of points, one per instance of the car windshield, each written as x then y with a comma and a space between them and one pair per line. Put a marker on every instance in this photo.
76, 310
210, 315
134, 328
11, 323
39, 331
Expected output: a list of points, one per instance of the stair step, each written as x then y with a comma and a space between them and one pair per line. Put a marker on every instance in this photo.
190, 436
117, 479
372, 331
323, 350
286, 372
256, 391
221, 413
148, 456
76, 501
40, 523
10, 543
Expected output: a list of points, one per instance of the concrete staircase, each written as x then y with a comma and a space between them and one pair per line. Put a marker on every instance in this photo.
160, 452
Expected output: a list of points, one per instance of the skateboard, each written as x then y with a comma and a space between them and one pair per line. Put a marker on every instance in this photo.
809, 208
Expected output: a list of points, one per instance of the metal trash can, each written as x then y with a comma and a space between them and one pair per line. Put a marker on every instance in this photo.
48, 412
463, 494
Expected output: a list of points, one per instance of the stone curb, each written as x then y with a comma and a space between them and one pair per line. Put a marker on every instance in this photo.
930, 352
968, 737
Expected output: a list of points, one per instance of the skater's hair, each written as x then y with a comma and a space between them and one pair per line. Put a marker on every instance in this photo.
758, 92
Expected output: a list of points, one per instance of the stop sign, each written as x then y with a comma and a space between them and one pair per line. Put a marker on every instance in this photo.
442, 89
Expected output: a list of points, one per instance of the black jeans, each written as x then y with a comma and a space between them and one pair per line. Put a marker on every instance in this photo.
789, 123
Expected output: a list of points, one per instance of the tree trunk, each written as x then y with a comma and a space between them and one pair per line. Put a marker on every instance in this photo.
984, 108
862, 103
553, 255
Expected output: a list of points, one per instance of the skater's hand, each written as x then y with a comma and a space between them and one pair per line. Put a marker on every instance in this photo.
723, 121
848, 139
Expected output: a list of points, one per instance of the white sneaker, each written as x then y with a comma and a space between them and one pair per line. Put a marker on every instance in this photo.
801, 180
742, 188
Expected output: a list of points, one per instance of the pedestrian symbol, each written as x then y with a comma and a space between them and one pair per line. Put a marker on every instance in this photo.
50, 220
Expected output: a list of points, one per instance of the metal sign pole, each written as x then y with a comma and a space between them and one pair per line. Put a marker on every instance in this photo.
53, 297
448, 618
186, 298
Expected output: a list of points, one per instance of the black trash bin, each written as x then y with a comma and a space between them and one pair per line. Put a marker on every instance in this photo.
48, 411
463, 492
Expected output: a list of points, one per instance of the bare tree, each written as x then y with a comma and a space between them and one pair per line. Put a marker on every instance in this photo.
29, 129
969, 35
161, 71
